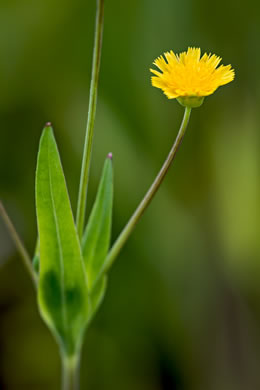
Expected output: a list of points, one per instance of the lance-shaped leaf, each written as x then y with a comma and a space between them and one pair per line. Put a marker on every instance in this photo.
62, 292
96, 239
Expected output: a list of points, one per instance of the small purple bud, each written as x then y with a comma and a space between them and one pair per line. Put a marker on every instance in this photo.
48, 124
110, 155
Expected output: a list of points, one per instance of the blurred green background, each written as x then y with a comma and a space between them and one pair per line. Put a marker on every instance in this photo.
182, 310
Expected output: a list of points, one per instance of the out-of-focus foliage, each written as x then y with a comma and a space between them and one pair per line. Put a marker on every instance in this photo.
182, 309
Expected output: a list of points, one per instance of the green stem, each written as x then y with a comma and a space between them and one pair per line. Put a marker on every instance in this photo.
82, 198
148, 197
18, 243
70, 373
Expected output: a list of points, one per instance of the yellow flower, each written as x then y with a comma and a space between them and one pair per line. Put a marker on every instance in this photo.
190, 78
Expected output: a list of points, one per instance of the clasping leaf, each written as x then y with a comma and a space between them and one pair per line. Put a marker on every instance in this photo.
96, 238
62, 293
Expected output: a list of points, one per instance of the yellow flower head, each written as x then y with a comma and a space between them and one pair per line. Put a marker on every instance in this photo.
188, 77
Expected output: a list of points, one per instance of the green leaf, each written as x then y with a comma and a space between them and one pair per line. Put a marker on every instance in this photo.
96, 238
97, 296
62, 292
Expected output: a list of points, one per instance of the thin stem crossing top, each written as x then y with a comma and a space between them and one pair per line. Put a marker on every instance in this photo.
82, 198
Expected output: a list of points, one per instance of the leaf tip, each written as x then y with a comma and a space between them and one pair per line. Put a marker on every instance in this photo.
110, 156
48, 124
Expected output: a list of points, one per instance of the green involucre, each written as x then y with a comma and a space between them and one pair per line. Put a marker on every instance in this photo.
191, 101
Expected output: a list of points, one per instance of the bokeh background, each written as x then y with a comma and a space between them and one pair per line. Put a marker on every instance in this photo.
182, 310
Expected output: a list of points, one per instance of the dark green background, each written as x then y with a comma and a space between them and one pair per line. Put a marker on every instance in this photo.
182, 310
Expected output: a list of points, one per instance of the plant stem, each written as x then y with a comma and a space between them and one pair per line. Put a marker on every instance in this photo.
18, 243
148, 197
82, 198
70, 373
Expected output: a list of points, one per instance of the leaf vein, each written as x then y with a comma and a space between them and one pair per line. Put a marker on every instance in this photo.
61, 257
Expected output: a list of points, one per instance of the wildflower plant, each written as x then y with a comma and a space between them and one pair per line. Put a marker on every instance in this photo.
72, 259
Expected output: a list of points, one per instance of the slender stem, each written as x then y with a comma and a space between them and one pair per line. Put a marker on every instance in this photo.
18, 243
70, 373
91, 118
149, 195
